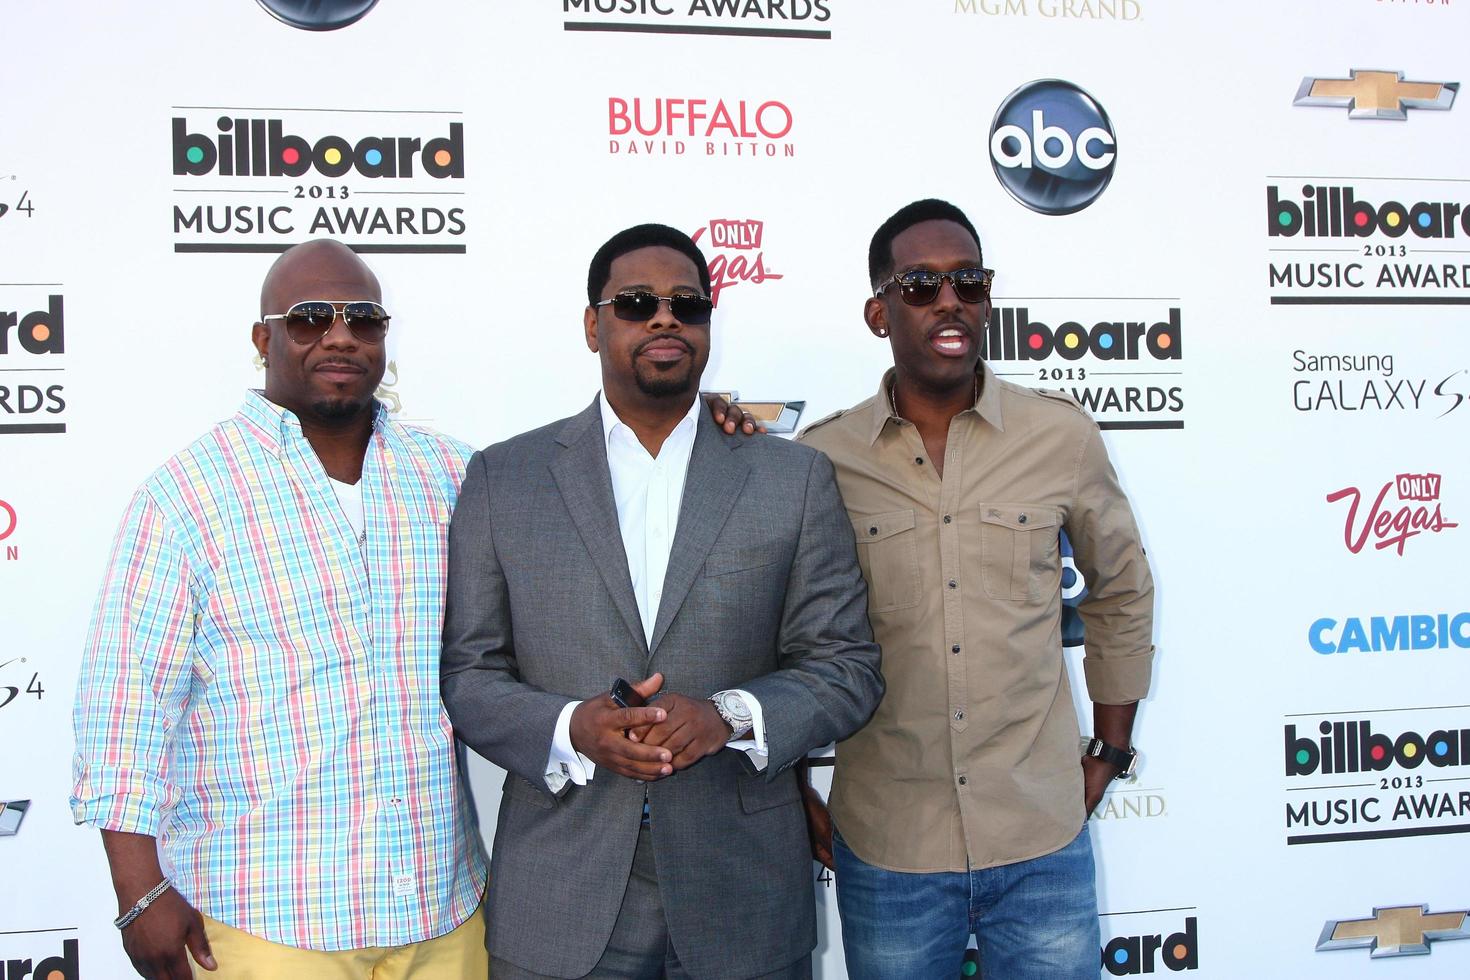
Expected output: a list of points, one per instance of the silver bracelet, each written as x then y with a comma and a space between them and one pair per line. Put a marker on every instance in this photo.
126, 919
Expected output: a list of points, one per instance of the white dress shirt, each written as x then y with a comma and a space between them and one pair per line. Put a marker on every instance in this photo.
648, 491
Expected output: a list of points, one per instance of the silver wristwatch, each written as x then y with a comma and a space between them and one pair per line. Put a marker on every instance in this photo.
734, 710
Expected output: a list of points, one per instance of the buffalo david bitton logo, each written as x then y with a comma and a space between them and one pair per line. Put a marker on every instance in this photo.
703, 127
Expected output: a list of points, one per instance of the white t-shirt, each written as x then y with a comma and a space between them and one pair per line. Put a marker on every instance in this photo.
349, 498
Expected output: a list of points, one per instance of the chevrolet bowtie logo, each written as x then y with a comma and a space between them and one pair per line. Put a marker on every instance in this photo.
1400, 930
1376, 94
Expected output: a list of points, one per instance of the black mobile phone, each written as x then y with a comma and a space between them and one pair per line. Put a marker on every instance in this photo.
624, 696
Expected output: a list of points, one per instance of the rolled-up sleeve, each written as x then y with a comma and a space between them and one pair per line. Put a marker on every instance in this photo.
1118, 611
135, 678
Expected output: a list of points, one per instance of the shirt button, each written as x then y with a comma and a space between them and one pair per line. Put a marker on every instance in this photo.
919, 460
872, 530
947, 518
1022, 518
963, 780
955, 648
953, 584
959, 715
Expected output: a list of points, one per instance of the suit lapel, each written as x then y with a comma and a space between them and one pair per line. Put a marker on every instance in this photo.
581, 475
715, 479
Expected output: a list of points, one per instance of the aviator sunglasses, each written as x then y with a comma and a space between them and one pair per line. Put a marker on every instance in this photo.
920, 287
638, 305
308, 322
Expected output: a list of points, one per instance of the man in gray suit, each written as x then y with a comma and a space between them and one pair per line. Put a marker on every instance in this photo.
636, 540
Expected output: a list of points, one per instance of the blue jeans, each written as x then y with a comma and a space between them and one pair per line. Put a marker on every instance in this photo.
1034, 919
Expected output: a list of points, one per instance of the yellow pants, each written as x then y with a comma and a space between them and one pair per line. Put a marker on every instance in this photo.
456, 955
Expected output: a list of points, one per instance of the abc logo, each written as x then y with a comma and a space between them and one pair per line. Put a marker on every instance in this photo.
1052, 146
318, 15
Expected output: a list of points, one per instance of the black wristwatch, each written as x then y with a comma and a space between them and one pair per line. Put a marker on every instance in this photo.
1125, 760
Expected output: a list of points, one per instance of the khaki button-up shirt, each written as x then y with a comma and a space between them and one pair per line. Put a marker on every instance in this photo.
972, 758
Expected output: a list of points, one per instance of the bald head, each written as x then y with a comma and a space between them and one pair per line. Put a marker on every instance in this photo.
326, 378
316, 267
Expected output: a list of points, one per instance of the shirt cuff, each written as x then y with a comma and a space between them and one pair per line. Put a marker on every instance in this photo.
565, 763
753, 742
111, 797
1118, 679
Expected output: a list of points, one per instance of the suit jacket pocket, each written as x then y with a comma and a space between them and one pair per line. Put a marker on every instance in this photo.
518, 789
756, 794
727, 562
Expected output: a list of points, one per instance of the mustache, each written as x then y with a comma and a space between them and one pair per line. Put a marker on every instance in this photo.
688, 347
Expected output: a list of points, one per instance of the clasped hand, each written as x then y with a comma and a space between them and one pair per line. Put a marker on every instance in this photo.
651, 742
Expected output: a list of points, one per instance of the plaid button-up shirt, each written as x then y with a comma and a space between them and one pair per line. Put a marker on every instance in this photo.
260, 690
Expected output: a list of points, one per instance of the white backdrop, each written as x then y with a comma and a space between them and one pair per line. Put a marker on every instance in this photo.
1225, 836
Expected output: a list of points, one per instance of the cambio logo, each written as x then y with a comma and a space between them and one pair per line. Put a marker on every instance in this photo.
1052, 146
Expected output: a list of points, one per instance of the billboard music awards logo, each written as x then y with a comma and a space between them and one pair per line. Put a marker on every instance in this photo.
32, 362
734, 253
1400, 510
1155, 941
700, 127
261, 180
1370, 240
1330, 383
1375, 775
1119, 10
1121, 359
32, 955
809, 20
1052, 147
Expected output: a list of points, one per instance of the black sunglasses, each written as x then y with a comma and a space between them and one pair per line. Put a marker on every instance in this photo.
308, 322
920, 287
638, 305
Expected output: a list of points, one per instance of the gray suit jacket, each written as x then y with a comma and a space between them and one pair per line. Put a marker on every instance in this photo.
762, 593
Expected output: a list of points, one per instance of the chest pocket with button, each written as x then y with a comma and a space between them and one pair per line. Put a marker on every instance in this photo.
1020, 557
889, 558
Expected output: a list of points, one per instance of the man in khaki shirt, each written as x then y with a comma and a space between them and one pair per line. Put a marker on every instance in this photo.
962, 806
